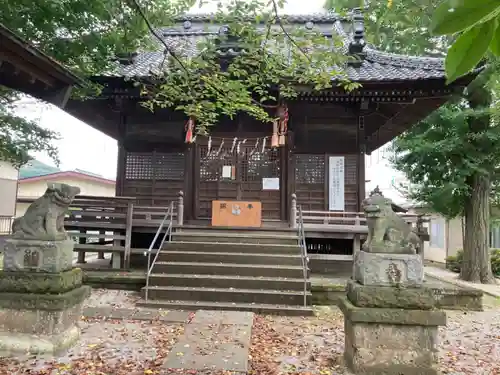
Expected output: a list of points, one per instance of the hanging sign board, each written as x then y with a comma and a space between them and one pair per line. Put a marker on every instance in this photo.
336, 169
271, 183
227, 171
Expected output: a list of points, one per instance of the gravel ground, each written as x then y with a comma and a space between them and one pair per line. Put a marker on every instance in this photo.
470, 343
107, 346
112, 298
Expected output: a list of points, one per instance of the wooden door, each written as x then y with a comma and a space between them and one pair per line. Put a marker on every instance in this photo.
225, 174
253, 169
214, 181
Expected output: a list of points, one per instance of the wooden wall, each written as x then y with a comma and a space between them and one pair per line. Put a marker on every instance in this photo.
156, 178
156, 164
311, 181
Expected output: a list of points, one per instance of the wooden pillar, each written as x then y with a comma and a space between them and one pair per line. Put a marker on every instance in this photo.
128, 235
290, 181
361, 143
283, 181
293, 212
188, 181
82, 241
116, 258
180, 209
196, 181
102, 242
122, 156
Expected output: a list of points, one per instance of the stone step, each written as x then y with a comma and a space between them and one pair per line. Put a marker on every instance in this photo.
266, 296
235, 247
235, 238
223, 231
220, 281
235, 258
227, 269
204, 305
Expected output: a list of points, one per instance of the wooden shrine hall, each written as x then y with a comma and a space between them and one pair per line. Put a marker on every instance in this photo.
318, 165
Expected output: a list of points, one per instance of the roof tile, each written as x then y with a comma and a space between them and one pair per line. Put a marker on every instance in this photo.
376, 66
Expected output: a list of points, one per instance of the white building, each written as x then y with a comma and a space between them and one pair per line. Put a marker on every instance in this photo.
378, 172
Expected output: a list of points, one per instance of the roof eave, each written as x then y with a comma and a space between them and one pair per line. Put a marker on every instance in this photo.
57, 69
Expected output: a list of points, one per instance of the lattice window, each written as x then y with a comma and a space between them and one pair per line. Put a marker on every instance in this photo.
160, 166
169, 166
211, 164
351, 172
257, 165
139, 166
309, 169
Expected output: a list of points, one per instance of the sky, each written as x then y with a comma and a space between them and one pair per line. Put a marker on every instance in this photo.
83, 147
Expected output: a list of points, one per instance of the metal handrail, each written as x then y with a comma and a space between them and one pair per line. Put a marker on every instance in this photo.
168, 233
303, 248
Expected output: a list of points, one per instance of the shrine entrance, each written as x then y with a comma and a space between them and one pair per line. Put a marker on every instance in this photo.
245, 173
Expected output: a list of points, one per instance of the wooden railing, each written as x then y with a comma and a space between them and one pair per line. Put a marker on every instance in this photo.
5, 225
112, 218
348, 218
104, 225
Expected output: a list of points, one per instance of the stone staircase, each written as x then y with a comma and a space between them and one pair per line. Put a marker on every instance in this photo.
210, 269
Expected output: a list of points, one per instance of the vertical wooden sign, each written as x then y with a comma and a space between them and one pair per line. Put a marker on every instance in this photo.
336, 183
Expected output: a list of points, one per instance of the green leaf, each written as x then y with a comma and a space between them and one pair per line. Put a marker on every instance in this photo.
468, 50
464, 14
495, 42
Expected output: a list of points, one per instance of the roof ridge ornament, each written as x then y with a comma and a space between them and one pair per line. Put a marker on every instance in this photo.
357, 44
126, 58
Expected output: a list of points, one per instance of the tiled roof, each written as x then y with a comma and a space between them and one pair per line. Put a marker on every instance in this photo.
184, 37
35, 168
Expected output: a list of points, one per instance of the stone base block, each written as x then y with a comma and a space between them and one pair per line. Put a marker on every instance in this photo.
48, 302
391, 341
12, 344
391, 316
38, 256
419, 298
39, 322
390, 362
40, 282
388, 269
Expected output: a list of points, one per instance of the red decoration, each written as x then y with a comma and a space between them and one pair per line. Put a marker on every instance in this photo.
189, 128
283, 124
274, 138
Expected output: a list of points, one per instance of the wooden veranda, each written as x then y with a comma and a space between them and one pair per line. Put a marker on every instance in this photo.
107, 225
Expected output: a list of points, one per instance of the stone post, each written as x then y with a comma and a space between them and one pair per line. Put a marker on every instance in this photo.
390, 320
180, 209
293, 212
41, 294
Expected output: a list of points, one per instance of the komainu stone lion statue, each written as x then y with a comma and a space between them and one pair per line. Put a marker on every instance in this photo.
44, 218
387, 232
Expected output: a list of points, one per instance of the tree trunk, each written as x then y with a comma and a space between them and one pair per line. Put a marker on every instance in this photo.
476, 265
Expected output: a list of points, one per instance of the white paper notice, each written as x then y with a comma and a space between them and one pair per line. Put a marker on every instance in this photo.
271, 183
336, 199
226, 171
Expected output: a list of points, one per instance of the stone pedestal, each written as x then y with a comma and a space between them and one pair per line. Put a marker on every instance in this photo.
388, 269
391, 324
41, 297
